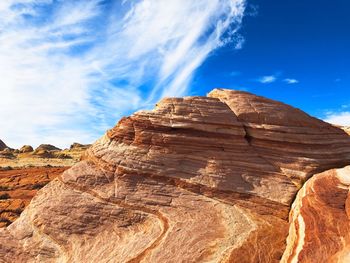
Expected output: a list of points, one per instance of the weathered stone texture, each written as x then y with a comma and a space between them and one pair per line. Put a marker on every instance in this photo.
197, 179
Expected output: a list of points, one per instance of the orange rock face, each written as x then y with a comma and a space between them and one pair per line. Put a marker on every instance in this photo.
17, 188
287, 137
197, 179
320, 220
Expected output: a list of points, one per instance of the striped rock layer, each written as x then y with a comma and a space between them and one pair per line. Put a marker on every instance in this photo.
197, 179
320, 225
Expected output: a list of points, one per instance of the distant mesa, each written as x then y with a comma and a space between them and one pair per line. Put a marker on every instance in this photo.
24, 171
61, 155
45, 154
46, 151
47, 147
26, 149
2, 145
79, 146
7, 153
8, 150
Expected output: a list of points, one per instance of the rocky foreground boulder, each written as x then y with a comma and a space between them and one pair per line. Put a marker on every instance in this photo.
197, 179
320, 226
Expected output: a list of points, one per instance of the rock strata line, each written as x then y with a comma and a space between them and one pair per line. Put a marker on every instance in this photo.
161, 217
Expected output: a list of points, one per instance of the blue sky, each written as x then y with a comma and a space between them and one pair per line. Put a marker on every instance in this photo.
71, 69
305, 41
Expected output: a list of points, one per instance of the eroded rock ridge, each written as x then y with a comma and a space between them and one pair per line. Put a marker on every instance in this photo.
197, 179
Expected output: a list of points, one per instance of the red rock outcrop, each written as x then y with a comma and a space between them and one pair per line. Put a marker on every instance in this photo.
197, 179
320, 220
299, 145
18, 186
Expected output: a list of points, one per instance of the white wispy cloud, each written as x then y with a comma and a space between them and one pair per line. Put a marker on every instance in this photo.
276, 77
267, 79
70, 69
339, 118
291, 81
235, 73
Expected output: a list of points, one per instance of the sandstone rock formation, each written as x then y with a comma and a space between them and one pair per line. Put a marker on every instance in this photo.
287, 137
18, 186
22, 173
2, 145
47, 147
26, 149
43, 155
320, 220
7, 153
197, 179
46, 151
77, 146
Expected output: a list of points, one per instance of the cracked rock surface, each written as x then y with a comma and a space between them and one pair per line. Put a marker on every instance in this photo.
197, 179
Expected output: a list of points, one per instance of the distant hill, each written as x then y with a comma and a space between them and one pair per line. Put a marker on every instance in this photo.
24, 171
2, 145
45, 154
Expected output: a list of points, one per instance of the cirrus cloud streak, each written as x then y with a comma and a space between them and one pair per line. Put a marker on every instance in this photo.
70, 69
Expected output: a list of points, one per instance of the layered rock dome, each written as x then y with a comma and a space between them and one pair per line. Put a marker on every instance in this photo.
197, 179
